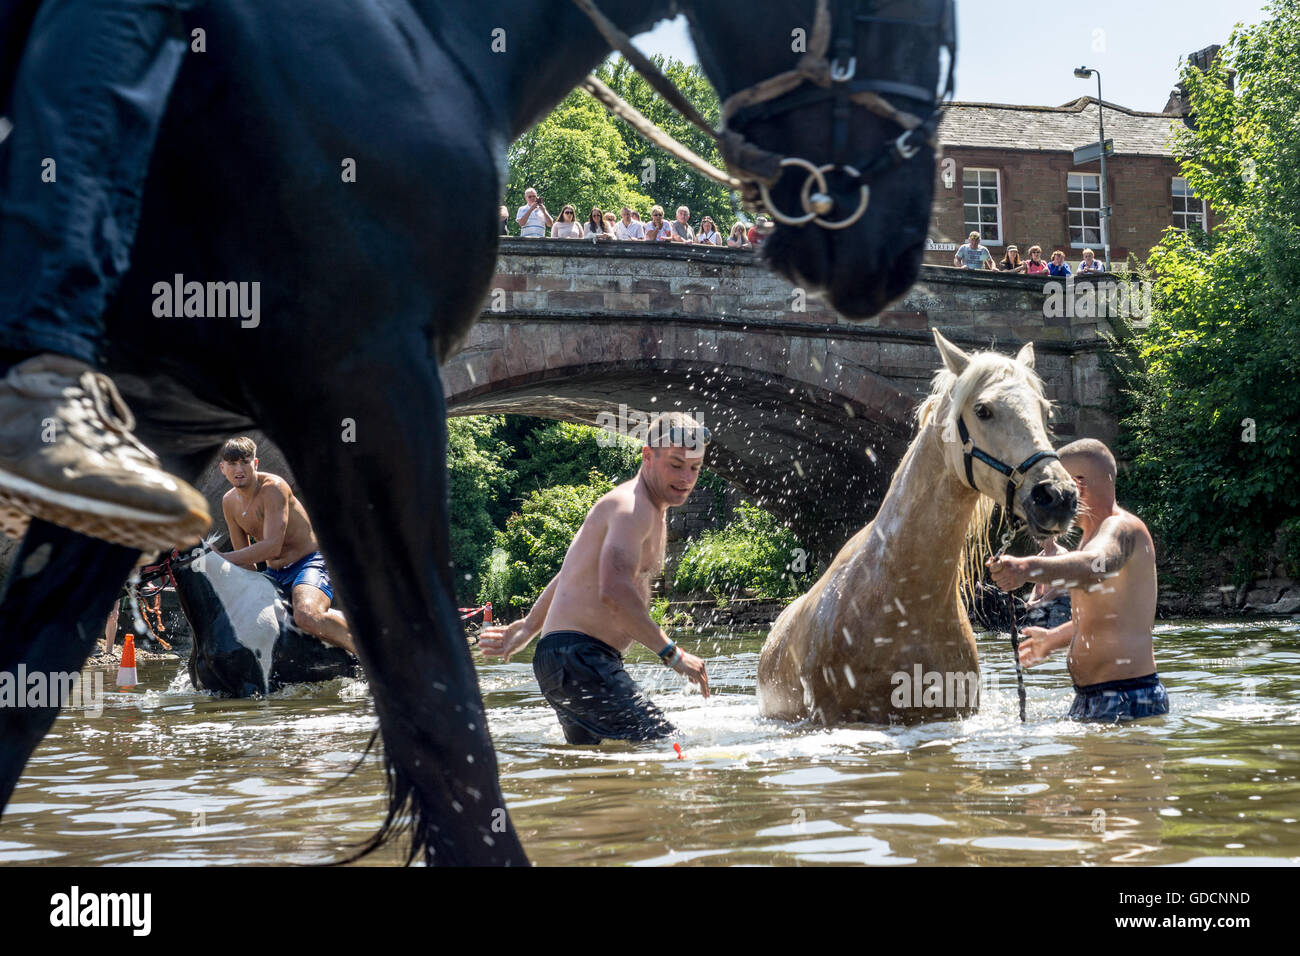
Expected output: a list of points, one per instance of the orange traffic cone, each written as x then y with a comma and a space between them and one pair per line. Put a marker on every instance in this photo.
126, 678
487, 613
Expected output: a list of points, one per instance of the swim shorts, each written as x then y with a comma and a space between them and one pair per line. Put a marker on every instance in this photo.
309, 569
1118, 700
594, 697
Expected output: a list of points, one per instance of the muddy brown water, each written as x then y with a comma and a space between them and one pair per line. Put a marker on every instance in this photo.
166, 775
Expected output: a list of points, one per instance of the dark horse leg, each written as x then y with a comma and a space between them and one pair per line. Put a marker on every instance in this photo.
59, 592
370, 458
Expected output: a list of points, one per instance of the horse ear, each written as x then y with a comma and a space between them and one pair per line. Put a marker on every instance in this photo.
954, 359
1026, 355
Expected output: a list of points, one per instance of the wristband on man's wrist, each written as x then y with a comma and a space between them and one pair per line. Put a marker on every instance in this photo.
663, 655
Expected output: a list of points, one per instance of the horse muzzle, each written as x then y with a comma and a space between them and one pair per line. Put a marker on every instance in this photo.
1049, 507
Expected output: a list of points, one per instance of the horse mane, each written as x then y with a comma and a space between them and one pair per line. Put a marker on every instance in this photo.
949, 393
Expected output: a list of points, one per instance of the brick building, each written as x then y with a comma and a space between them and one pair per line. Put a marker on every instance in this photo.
1013, 179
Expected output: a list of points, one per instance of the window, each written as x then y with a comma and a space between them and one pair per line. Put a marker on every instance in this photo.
1084, 194
1188, 210
983, 203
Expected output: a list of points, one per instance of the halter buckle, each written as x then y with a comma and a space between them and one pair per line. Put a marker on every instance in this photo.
842, 74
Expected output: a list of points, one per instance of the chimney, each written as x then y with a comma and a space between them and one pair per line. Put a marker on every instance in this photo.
1177, 104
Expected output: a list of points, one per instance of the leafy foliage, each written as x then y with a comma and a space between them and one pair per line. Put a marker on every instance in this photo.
1212, 418
478, 478
581, 155
529, 552
754, 551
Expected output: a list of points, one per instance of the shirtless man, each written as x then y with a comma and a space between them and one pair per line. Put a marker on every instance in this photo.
599, 603
262, 506
1112, 582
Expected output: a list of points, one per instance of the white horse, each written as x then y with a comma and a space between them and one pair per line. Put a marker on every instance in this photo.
883, 636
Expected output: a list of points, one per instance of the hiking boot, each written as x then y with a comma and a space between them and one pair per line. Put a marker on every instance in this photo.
67, 456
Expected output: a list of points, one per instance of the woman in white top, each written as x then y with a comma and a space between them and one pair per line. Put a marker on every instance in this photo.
708, 234
566, 227
596, 225
658, 230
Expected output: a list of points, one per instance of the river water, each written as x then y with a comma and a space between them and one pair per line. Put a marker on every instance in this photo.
166, 775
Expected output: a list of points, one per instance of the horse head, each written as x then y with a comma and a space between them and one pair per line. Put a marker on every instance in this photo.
857, 133
994, 434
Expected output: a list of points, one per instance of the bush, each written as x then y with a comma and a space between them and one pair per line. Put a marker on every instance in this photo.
477, 479
1213, 426
529, 552
754, 551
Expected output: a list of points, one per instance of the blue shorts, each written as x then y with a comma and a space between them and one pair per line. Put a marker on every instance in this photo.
309, 569
1118, 700
583, 679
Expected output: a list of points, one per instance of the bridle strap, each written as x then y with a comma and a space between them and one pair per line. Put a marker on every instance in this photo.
1015, 476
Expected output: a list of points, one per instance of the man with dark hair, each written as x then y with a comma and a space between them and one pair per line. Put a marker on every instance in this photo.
599, 603
262, 508
1112, 582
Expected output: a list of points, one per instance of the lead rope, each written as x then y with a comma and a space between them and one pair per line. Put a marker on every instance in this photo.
1011, 615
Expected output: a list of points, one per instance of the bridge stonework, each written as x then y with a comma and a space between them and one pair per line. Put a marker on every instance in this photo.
810, 412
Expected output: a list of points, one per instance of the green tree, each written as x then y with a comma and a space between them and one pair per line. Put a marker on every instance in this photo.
575, 156
529, 552
1212, 418
478, 480
564, 453
753, 551
672, 182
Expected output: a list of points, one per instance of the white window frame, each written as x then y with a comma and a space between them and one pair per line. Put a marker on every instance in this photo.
997, 184
1189, 194
1101, 224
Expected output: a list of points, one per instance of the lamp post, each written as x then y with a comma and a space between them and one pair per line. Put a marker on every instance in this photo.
1083, 73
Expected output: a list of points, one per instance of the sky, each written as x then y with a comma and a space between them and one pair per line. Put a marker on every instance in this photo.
1025, 53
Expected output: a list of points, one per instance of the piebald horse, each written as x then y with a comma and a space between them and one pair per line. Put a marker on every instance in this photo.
889, 602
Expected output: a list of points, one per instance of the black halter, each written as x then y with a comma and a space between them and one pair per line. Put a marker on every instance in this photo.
845, 25
1015, 476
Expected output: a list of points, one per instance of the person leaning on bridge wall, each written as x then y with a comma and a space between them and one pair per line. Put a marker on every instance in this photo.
566, 227
532, 217
737, 239
629, 227
1090, 263
708, 234
973, 254
681, 226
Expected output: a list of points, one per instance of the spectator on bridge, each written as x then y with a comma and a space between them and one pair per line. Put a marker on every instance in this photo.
659, 231
566, 227
755, 234
681, 227
629, 227
1011, 262
738, 239
611, 221
708, 234
505, 217
1058, 265
532, 217
1089, 263
1035, 264
973, 254
595, 228
637, 216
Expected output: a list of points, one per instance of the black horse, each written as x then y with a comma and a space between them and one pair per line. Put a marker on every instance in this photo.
348, 158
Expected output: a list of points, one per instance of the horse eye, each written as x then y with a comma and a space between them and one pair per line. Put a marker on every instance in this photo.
982, 411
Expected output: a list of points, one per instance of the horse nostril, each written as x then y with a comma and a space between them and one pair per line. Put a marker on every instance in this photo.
1044, 495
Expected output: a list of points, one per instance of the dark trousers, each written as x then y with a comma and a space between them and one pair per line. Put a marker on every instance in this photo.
594, 697
87, 100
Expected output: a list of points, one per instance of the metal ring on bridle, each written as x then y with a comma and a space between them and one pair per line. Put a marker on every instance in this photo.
816, 203
813, 173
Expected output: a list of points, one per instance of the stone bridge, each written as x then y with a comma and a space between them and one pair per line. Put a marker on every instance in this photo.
810, 412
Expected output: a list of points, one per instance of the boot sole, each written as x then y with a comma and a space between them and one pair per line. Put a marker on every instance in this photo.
116, 524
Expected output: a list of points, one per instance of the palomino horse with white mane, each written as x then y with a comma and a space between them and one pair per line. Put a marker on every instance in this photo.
889, 601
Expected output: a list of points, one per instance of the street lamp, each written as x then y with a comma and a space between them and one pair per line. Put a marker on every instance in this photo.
1083, 73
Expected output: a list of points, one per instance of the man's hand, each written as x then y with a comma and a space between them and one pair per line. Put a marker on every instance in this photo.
1035, 646
1008, 573
692, 668
497, 640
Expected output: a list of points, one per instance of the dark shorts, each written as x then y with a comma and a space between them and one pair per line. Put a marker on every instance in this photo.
309, 569
594, 697
1119, 700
